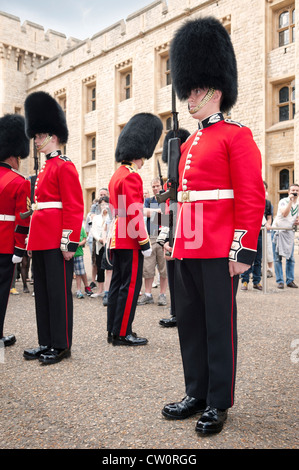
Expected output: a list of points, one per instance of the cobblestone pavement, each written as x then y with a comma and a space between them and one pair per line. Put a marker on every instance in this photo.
106, 397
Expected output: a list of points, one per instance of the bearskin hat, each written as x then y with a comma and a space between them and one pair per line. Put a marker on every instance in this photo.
139, 137
182, 134
202, 56
44, 115
13, 140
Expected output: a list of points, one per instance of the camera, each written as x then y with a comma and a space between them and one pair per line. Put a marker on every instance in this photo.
295, 194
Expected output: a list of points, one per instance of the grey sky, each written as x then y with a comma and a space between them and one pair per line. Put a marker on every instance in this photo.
76, 18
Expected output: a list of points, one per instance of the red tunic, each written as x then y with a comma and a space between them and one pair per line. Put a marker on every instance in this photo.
57, 181
14, 199
126, 198
222, 155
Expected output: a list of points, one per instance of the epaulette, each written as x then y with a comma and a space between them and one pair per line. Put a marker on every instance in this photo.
131, 169
129, 165
64, 158
229, 121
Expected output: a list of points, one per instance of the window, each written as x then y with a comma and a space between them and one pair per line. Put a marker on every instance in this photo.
165, 70
286, 102
285, 180
62, 101
89, 93
163, 65
126, 85
20, 63
286, 26
124, 80
91, 148
91, 98
167, 122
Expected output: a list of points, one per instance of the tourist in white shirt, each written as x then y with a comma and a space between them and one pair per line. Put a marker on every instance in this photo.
283, 241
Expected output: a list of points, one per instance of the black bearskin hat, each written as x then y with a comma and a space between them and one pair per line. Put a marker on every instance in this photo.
13, 140
139, 137
182, 134
44, 115
202, 56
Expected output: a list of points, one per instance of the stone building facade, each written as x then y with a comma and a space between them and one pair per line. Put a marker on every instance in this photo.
102, 81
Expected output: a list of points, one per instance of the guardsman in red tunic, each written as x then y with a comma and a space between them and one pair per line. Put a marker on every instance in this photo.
54, 232
221, 201
129, 240
14, 199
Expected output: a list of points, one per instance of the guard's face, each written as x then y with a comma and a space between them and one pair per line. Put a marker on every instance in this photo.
196, 96
41, 141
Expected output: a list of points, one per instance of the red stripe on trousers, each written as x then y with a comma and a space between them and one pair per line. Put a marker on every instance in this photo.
66, 310
131, 292
232, 337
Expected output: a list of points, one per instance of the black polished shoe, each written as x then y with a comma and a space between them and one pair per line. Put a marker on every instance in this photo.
9, 340
30, 354
211, 421
52, 356
189, 406
129, 340
168, 322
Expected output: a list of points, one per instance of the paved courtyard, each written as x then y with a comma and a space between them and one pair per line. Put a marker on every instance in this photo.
107, 397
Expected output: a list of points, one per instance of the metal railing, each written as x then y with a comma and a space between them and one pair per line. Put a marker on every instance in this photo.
264, 253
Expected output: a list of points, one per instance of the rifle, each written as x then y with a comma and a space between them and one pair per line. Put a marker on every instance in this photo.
160, 173
173, 159
24, 215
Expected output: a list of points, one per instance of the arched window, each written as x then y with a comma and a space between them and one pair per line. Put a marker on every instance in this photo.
286, 102
128, 86
284, 179
286, 26
169, 124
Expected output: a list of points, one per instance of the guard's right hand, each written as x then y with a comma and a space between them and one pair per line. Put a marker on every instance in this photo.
147, 253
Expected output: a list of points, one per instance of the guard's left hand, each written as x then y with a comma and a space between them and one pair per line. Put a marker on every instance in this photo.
68, 255
236, 268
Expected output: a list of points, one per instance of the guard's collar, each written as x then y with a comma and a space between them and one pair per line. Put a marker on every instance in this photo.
209, 121
56, 153
5, 165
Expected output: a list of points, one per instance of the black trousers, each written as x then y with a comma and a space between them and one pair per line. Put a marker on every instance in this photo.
7, 268
124, 289
207, 326
53, 298
170, 275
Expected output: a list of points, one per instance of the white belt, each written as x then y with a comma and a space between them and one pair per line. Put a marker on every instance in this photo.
212, 195
7, 218
37, 206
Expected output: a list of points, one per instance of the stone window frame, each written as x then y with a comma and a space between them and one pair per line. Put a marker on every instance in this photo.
163, 65
125, 80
